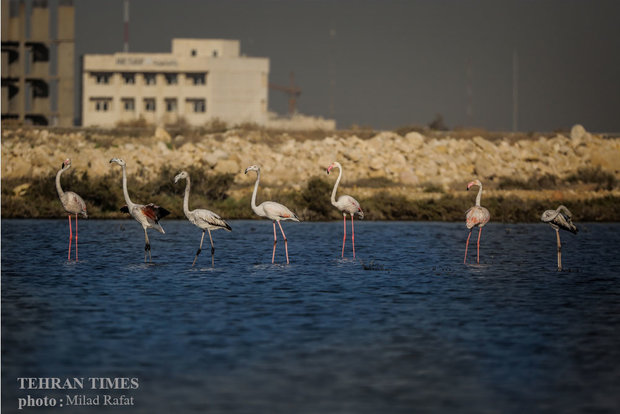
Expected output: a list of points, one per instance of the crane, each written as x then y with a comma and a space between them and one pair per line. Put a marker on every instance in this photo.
293, 91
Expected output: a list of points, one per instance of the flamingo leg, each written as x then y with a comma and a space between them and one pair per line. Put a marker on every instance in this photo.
285, 242
212, 249
557, 233
466, 245
199, 248
353, 235
478, 245
344, 237
76, 237
70, 237
147, 246
275, 240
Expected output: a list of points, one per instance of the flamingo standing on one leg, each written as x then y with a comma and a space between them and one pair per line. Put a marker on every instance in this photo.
346, 204
147, 215
559, 218
273, 211
204, 219
73, 204
476, 216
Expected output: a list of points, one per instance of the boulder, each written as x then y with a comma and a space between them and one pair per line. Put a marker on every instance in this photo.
227, 167
485, 145
578, 133
162, 135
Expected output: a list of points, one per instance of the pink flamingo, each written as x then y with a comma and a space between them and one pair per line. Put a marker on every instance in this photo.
73, 204
147, 215
476, 216
560, 218
346, 204
273, 211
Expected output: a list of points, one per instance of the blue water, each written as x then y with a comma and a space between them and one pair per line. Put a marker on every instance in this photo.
405, 328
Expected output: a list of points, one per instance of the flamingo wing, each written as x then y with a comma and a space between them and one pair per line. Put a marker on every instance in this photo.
154, 212
209, 218
277, 211
350, 205
559, 219
476, 216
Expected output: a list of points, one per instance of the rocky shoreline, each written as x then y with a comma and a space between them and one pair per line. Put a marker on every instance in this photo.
414, 165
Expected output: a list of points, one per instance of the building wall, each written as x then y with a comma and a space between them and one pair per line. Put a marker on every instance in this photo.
212, 81
27, 82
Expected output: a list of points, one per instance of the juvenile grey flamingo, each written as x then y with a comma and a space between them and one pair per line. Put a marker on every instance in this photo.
559, 218
346, 204
273, 211
203, 219
73, 204
476, 216
147, 215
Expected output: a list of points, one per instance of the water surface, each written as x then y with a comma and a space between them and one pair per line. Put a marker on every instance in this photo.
404, 328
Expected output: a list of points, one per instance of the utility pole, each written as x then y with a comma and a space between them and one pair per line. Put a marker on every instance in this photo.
515, 91
126, 25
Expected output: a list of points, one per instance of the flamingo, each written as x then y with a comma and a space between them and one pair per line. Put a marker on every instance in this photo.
273, 211
559, 218
147, 215
204, 219
346, 204
476, 216
73, 204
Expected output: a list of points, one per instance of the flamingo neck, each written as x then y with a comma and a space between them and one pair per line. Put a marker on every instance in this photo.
58, 187
254, 207
336, 185
186, 198
125, 192
479, 196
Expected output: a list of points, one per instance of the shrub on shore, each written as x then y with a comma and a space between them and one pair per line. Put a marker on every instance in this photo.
104, 197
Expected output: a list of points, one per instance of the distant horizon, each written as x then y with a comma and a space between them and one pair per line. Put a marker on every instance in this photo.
393, 64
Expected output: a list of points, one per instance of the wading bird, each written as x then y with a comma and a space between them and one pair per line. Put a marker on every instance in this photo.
73, 204
559, 218
346, 204
273, 211
147, 215
204, 219
476, 216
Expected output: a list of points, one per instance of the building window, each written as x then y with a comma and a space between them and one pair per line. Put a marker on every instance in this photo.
128, 104
197, 78
102, 78
129, 78
149, 104
149, 79
194, 52
172, 78
215, 53
102, 104
197, 105
171, 105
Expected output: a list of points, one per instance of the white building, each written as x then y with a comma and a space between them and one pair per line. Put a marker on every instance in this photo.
201, 80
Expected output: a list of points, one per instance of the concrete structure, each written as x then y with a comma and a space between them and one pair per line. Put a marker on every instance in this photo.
201, 80
34, 90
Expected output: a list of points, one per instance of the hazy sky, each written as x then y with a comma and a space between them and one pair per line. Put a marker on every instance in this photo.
387, 63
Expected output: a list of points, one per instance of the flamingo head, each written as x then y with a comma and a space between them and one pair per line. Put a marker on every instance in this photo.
253, 168
333, 164
66, 164
472, 183
180, 176
118, 161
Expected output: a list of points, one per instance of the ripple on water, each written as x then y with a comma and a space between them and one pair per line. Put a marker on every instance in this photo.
403, 327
